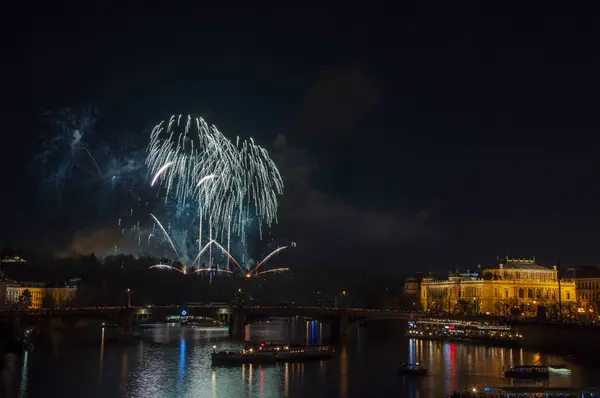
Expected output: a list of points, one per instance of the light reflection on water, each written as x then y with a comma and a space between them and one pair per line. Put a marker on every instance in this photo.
172, 361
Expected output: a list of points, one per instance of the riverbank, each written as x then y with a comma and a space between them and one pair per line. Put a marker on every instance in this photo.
578, 341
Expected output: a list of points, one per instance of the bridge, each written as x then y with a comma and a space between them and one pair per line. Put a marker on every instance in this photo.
237, 317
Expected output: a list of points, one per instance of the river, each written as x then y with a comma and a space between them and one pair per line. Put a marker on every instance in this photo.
174, 361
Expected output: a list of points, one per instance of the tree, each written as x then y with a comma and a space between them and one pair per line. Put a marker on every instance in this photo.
25, 298
48, 301
488, 276
86, 296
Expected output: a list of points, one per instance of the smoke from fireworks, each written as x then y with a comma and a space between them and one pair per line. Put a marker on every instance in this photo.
66, 145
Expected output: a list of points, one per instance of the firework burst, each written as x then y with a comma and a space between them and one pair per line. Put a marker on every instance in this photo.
230, 184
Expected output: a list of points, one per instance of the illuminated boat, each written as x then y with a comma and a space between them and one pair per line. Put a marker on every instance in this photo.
527, 372
412, 369
271, 354
542, 391
463, 331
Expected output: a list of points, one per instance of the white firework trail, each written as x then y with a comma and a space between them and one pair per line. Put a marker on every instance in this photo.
274, 271
169, 267
160, 171
166, 234
202, 251
228, 254
274, 252
207, 178
210, 269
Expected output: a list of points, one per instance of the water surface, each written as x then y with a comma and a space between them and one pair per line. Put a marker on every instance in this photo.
174, 361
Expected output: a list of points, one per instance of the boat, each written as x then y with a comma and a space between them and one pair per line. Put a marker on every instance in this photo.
199, 322
560, 368
271, 354
543, 391
527, 372
412, 369
475, 332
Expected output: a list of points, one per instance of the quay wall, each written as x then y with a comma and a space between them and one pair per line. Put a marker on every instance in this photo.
578, 340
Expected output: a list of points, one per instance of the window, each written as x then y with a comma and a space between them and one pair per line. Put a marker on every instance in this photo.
538, 293
553, 293
521, 293
568, 295
546, 293
529, 293
505, 293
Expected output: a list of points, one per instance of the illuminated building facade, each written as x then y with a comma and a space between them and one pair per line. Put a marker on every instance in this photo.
516, 285
12, 259
38, 292
587, 280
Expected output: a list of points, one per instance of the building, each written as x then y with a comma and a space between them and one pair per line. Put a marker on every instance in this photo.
12, 259
3, 285
39, 292
412, 285
514, 286
587, 280
412, 292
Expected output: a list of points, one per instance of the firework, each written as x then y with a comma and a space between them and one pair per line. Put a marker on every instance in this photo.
166, 235
183, 270
230, 184
273, 271
181, 154
274, 252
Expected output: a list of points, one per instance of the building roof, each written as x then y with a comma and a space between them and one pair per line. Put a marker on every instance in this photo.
518, 263
524, 265
414, 278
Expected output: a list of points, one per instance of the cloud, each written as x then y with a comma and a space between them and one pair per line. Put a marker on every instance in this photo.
339, 100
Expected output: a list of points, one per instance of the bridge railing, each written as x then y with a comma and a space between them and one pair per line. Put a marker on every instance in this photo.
150, 307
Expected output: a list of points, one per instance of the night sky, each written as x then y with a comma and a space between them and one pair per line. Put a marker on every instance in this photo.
409, 138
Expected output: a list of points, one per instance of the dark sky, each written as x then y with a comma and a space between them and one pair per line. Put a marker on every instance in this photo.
409, 137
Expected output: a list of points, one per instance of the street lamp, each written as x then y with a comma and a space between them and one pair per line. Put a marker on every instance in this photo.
128, 297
